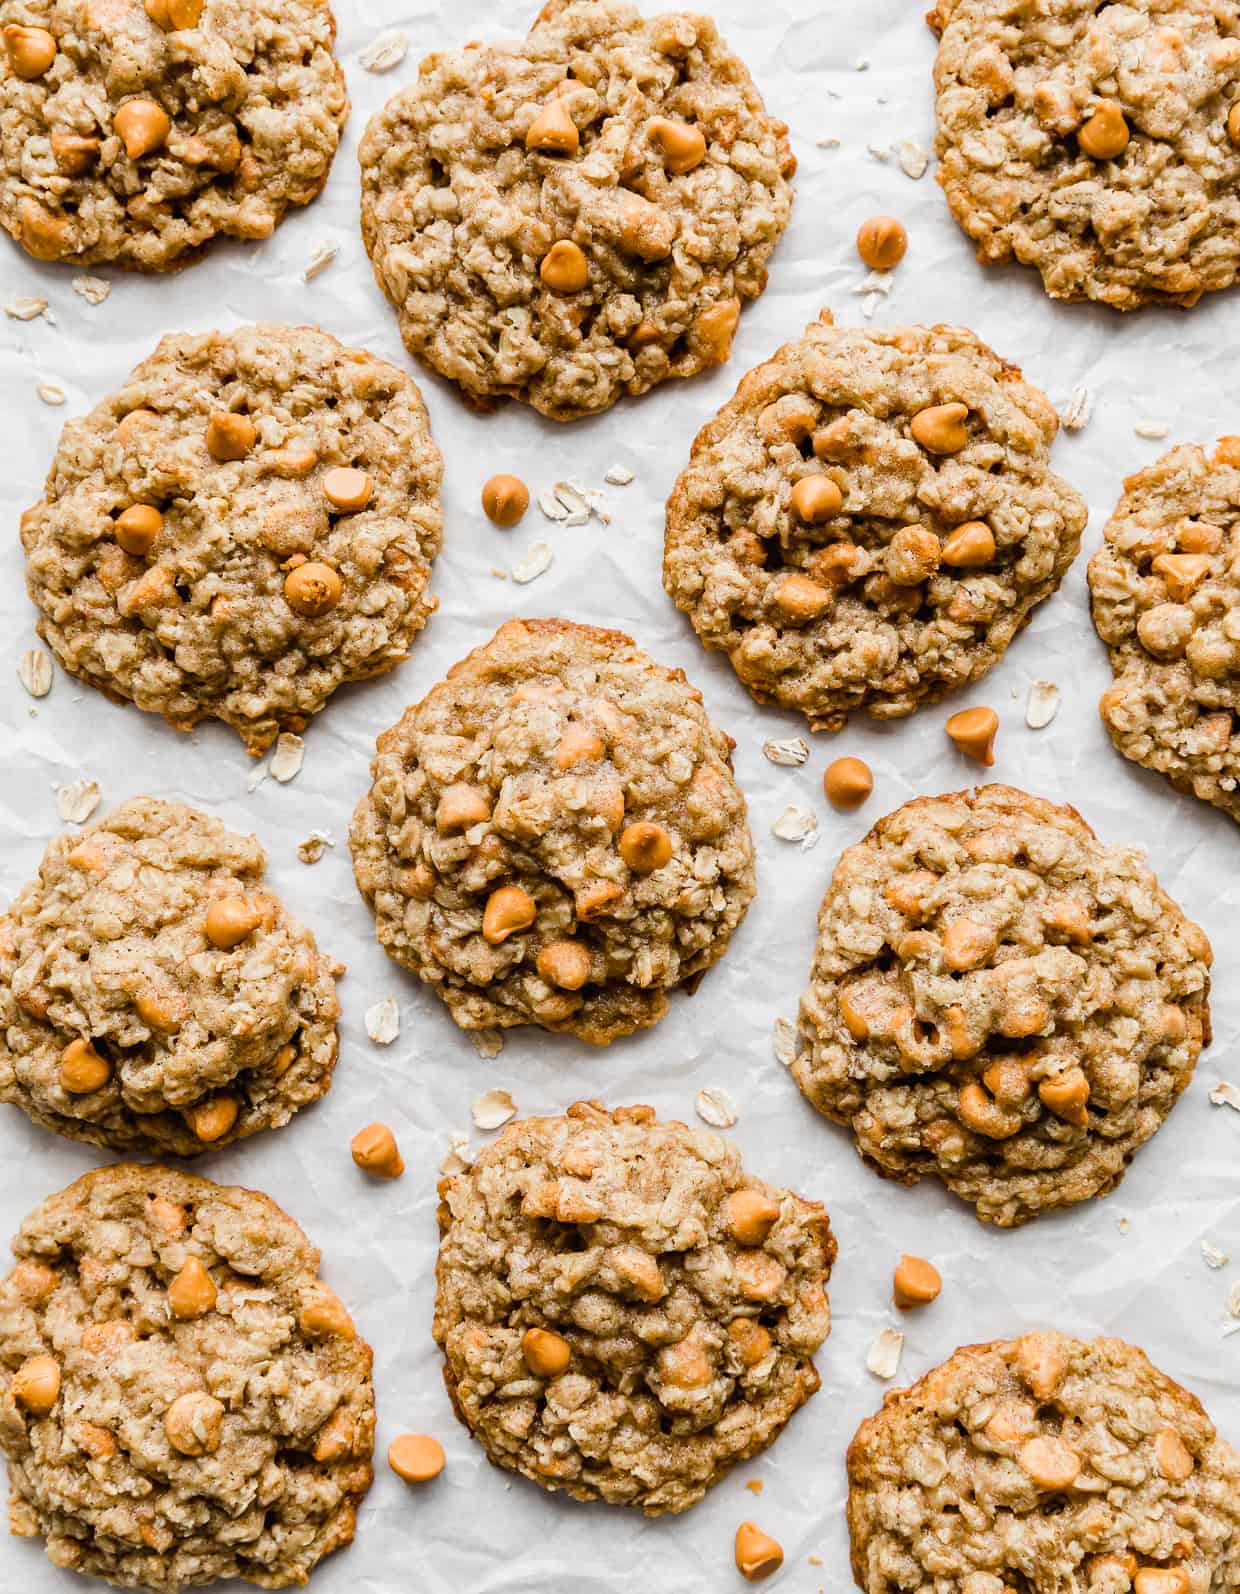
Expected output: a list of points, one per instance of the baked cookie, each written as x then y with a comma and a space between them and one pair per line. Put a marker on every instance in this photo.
1044, 1463
133, 134
154, 996
624, 1312
1166, 601
577, 216
553, 835
1098, 142
870, 520
184, 1400
1001, 1001
247, 524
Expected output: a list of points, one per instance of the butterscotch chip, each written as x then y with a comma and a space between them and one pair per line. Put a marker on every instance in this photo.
176, 102
844, 598
171, 923
978, 1465
583, 853
882, 242
915, 1282
654, 1418
416, 1457
1165, 592
624, 170
180, 1411
956, 1030
1091, 141
255, 589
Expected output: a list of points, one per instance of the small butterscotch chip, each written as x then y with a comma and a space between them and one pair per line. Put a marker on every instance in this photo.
547, 1355
416, 1457
564, 268
645, 847
290, 464
758, 1555
915, 1282
1066, 1095
798, 598
229, 920
940, 429
230, 436
578, 745
973, 730
564, 964
348, 490
681, 145
912, 556
984, 1116
505, 499
750, 1216
847, 782
44, 234
882, 242
313, 589
194, 1423
324, 1316
210, 1120
970, 546
1233, 123
108, 1337
752, 1341
375, 1150
553, 131
142, 126
1172, 1455
30, 50
460, 807
165, 1013
192, 1292
508, 910
1182, 573
1049, 1463
74, 153
967, 944
714, 330
335, 1438
1106, 134
33, 1282
814, 499
82, 1069
137, 528
36, 1384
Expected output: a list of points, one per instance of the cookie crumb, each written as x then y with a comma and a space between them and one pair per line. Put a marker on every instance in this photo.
312, 848
287, 759
34, 671
492, 1109
714, 1106
77, 800
1226, 1094
1212, 1256
883, 1358
755, 1485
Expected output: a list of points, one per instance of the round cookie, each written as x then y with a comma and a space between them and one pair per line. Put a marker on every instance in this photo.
999, 1000
1097, 142
154, 996
248, 524
577, 216
1044, 1462
553, 835
624, 1312
1165, 588
870, 520
135, 134
184, 1400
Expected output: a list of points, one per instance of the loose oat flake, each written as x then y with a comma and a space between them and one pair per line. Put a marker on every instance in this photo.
797, 824
488, 1043
784, 1041
287, 759
914, 160
1042, 705
1078, 410
715, 1107
619, 476
383, 1021
93, 289
551, 506
77, 800
1212, 1256
51, 393
883, 1359
536, 563
34, 671
791, 753
1153, 431
26, 308
458, 1157
385, 52
493, 1109
319, 261
1225, 1094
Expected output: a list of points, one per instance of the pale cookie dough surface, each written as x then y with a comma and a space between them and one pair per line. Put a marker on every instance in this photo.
558, 738
252, 101
201, 626
688, 1351
457, 214
1044, 1463
1016, 80
285, 1406
830, 617
1166, 601
109, 946
1000, 1000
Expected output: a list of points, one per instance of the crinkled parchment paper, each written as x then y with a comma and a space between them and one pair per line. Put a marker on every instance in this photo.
854, 83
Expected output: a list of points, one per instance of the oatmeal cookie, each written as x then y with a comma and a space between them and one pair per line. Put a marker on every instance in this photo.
1099, 142
624, 1312
1166, 601
577, 216
554, 836
247, 524
1044, 1463
154, 996
870, 520
134, 134
184, 1399
1001, 1001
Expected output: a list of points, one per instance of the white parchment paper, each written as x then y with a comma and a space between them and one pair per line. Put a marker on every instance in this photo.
1131, 1265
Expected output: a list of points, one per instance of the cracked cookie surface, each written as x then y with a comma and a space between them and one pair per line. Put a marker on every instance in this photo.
154, 996
1165, 591
1001, 1001
134, 134
577, 216
1098, 142
184, 1399
554, 836
870, 520
624, 1312
246, 525
1044, 1463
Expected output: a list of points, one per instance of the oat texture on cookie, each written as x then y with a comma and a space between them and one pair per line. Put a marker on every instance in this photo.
624, 1312
246, 525
1001, 1001
154, 994
577, 216
554, 836
1098, 142
1165, 588
185, 1400
1044, 1462
134, 133
870, 520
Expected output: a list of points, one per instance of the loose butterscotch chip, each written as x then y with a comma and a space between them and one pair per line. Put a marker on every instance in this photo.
847, 782
915, 1282
375, 1150
758, 1555
882, 242
973, 730
505, 499
416, 1457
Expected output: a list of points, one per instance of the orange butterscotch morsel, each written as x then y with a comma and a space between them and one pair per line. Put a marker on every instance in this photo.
416, 1457
752, 1341
1106, 134
36, 1384
758, 1555
645, 847
1182, 573
346, 489
312, 589
800, 599
1066, 1095
912, 556
142, 126
505, 499
547, 1355
714, 330
882, 242
940, 428
814, 499
578, 745
74, 153
82, 1069
324, 1315
847, 782
564, 964
1162, 1580
43, 234
460, 807
174, 14
211, 1120
970, 546
915, 1282
34, 1282
30, 50
1172, 1456
1049, 1463
1233, 123
137, 528
194, 1423
973, 730
374, 1150
336, 1437
984, 1116
192, 1292
508, 910
750, 1216
162, 1011
230, 436
229, 920
553, 131
108, 1337
967, 944
564, 268
681, 145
